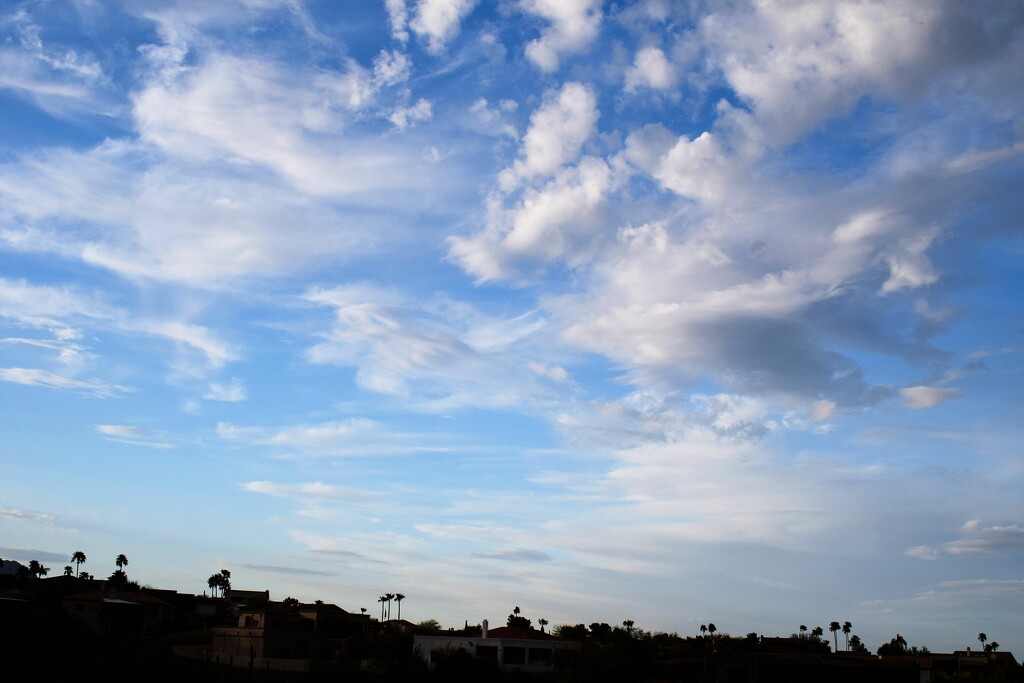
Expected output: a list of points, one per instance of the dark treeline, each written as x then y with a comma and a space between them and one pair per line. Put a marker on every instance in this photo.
43, 636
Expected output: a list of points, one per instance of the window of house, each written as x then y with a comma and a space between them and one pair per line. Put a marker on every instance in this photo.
515, 655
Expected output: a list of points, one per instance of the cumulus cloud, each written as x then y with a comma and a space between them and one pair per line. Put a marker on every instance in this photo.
573, 26
558, 129
391, 67
403, 117
398, 18
651, 69
439, 20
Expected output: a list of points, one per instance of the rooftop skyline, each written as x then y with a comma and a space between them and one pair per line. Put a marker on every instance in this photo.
652, 310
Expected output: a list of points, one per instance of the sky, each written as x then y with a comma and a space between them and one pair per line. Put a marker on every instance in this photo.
678, 312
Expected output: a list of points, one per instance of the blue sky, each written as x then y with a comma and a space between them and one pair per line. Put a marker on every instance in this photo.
665, 311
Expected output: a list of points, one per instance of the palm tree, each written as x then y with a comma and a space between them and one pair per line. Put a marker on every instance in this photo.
85, 575
389, 597
543, 622
68, 571
803, 631
628, 623
214, 583
993, 646
817, 632
847, 627
711, 628
398, 598
382, 600
981, 636
703, 629
834, 627
362, 610
78, 557
225, 581
121, 561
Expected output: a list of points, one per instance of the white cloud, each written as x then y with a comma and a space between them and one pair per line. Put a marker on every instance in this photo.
434, 355
354, 437
402, 117
196, 337
921, 397
558, 129
135, 436
922, 552
651, 69
311, 490
489, 120
398, 18
439, 20
986, 540
574, 24
232, 392
89, 387
560, 221
391, 68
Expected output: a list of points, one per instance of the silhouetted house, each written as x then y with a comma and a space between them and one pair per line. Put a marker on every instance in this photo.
239, 598
509, 647
286, 637
122, 614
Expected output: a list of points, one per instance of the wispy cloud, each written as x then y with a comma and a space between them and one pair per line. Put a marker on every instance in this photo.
89, 387
135, 436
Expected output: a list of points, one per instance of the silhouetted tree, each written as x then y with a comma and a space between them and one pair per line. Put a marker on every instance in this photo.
857, 645
834, 627
382, 600
389, 597
817, 632
711, 628
516, 621
225, 581
628, 623
78, 557
362, 610
36, 569
214, 583
68, 571
121, 561
993, 646
847, 627
803, 631
290, 602
85, 576
703, 629
542, 622
398, 598
118, 578
982, 637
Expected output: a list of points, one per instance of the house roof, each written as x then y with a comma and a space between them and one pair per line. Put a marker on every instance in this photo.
116, 597
512, 632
